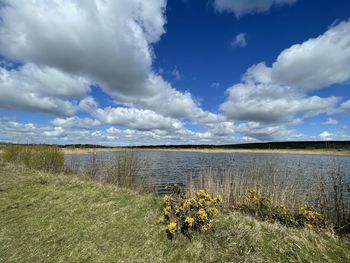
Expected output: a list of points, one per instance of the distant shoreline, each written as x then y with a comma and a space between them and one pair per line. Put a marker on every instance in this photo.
215, 150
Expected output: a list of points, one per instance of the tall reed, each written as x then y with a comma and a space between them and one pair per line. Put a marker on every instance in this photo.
91, 170
325, 189
124, 168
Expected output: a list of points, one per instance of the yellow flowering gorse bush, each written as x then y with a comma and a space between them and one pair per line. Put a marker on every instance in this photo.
187, 215
309, 217
260, 205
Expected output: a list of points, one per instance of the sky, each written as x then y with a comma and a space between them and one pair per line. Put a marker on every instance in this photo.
149, 72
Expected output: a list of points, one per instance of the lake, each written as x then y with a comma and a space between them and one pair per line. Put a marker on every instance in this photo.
177, 167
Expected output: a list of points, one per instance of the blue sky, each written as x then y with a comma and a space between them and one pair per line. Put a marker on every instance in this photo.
174, 72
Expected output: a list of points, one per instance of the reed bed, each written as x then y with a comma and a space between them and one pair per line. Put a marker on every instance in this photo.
125, 169
328, 190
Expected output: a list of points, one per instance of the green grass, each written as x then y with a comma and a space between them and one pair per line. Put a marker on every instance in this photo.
57, 218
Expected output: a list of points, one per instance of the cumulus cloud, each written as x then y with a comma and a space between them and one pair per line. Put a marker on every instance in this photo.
75, 122
40, 89
14, 131
224, 128
272, 103
240, 40
28, 132
109, 41
130, 117
173, 103
330, 121
318, 62
280, 93
325, 135
345, 105
244, 7
256, 131
329, 136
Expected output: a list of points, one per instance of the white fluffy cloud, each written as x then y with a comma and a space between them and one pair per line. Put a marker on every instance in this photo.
316, 63
280, 93
169, 102
240, 40
45, 89
75, 122
272, 103
130, 117
330, 121
255, 131
345, 105
244, 7
328, 136
29, 132
109, 41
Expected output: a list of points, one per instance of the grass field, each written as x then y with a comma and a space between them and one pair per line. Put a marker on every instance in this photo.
58, 218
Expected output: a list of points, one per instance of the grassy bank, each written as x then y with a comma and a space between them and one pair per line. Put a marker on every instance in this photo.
57, 218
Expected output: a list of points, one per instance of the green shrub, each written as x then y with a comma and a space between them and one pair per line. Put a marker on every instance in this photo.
189, 215
40, 157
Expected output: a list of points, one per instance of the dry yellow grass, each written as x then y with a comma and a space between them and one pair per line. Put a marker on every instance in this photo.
217, 150
87, 150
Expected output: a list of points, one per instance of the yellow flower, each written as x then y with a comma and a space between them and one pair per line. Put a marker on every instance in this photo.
166, 210
210, 223
188, 202
309, 213
219, 198
166, 198
172, 227
202, 214
204, 228
203, 194
189, 221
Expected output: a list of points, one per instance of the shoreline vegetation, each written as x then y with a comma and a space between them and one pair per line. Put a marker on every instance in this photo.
49, 217
70, 150
339, 148
81, 216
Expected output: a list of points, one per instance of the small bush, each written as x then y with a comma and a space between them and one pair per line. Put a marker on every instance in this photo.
123, 168
40, 157
189, 215
90, 171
